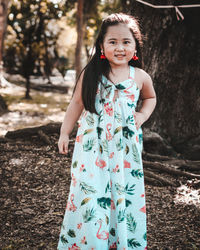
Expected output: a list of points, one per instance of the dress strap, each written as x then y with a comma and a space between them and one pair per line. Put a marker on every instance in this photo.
132, 72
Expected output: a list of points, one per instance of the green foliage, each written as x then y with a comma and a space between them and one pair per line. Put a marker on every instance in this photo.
86, 188
89, 144
89, 215
137, 173
131, 223
121, 215
133, 243
71, 233
28, 21
135, 152
63, 239
127, 133
104, 202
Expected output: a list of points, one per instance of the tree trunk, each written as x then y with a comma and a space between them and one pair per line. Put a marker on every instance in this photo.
170, 57
79, 42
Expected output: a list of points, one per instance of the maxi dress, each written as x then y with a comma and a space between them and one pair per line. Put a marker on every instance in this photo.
106, 202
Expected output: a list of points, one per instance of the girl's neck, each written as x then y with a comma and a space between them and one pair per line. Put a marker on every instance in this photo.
120, 73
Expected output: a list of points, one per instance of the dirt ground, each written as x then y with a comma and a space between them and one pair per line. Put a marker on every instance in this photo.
35, 181
34, 186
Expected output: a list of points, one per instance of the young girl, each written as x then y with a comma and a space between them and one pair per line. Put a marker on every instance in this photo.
106, 203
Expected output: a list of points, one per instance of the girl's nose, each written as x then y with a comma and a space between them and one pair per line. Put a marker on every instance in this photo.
120, 47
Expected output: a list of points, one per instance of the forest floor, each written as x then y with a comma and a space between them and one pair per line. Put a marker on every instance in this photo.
35, 181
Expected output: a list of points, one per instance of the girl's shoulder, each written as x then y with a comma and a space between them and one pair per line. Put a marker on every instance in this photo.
141, 73
141, 77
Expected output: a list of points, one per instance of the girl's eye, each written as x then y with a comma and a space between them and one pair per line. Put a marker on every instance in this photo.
112, 42
126, 42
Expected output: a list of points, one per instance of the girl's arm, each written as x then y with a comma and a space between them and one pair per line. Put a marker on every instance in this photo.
148, 97
72, 114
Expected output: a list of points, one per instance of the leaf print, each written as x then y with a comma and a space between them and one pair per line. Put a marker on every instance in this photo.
127, 202
63, 239
99, 132
71, 233
118, 117
108, 188
131, 223
105, 145
133, 243
145, 236
130, 120
119, 145
119, 201
89, 215
107, 219
119, 188
117, 130
137, 173
120, 86
127, 132
131, 105
121, 215
86, 188
90, 120
104, 202
86, 200
127, 149
130, 190
112, 231
100, 118
89, 144
136, 155
74, 165
140, 138
100, 148
87, 131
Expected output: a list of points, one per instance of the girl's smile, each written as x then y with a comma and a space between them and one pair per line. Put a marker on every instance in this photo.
119, 45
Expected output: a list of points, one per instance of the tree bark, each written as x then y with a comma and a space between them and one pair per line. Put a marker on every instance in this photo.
79, 42
170, 57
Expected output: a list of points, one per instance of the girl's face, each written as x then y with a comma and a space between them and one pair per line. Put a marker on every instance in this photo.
119, 45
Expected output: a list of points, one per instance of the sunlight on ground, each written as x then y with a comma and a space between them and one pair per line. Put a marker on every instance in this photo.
44, 107
187, 195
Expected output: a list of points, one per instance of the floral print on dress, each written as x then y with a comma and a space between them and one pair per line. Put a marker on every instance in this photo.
106, 202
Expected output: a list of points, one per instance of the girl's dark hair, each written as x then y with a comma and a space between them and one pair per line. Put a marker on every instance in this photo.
98, 67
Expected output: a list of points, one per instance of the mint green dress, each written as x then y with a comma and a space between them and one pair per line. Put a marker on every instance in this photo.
106, 202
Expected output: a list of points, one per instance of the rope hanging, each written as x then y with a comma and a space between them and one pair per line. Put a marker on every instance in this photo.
178, 13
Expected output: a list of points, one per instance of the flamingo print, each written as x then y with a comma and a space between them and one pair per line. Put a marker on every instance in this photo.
71, 207
108, 135
100, 163
103, 235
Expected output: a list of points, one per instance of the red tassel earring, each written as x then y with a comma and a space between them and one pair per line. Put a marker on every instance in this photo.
102, 56
135, 58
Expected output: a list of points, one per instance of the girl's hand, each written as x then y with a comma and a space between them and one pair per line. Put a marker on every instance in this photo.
139, 119
63, 143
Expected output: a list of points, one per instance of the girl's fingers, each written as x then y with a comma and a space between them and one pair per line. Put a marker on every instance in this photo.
65, 146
